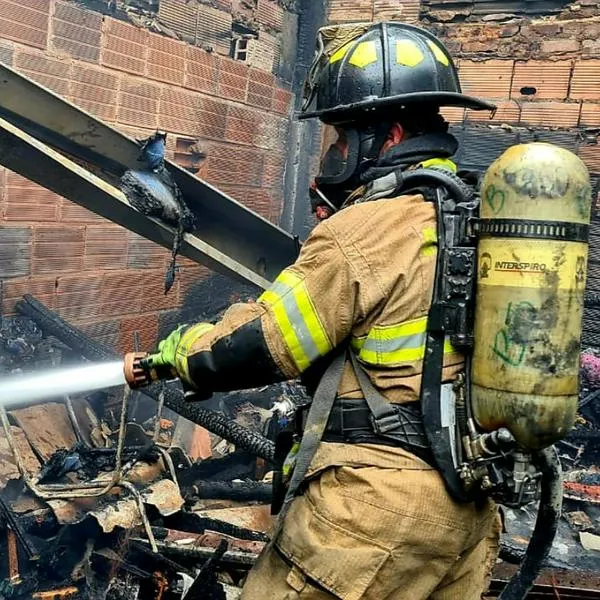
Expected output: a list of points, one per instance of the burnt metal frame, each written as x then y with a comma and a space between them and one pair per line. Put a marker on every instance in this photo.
229, 237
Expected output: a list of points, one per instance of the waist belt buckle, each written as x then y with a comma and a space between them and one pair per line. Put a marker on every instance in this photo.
386, 423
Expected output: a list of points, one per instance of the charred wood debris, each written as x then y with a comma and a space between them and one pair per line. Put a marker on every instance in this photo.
186, 487
185, 503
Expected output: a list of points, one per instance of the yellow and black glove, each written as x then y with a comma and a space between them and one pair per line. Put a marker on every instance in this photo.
173, 352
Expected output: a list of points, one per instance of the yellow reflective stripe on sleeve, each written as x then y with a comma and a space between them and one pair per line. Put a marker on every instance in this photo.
312, 321
395, 344
289, 278
297, 319
290, 337
268, 297
185, 344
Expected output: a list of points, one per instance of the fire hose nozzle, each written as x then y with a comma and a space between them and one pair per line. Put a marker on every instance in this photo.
142, 369
136, 372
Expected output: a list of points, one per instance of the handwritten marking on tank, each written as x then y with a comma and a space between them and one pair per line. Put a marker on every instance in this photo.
510, 342
550, 183
511, 353
495, 198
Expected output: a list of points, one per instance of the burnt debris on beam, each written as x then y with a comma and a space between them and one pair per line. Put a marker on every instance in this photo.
226, 231
36, 161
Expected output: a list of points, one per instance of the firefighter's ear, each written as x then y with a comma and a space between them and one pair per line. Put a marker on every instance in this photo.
395, 136
397, 133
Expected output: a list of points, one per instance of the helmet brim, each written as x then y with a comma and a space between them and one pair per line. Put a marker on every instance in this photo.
350, 112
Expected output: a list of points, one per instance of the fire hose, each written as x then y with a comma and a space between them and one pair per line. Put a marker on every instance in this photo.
546, 524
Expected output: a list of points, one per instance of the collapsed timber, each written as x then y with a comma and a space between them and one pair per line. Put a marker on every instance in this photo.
118, 495
101, 498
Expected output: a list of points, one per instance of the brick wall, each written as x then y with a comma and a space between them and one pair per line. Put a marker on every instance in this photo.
373, 10
542, 70
94, 273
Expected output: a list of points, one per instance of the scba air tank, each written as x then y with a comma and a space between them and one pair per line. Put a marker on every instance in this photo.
532, 262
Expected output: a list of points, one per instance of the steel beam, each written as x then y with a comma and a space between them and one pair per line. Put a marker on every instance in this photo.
34, 160
226, 228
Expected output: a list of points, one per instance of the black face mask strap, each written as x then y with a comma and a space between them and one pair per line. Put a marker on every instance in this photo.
353, 138
372, 142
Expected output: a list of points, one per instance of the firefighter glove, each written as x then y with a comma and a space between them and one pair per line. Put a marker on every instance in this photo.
175, 349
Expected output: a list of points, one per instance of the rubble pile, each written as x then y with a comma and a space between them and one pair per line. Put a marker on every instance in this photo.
115, 496
104, 496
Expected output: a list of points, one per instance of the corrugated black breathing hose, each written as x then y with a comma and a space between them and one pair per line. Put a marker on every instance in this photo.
215, 422
545, 528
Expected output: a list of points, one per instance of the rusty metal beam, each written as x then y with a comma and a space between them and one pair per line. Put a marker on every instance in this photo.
36, 161
228, 233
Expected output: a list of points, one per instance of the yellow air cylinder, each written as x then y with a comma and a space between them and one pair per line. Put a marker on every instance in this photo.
532, 263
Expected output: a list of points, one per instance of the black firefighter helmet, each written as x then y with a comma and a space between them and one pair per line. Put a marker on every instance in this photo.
363, 78
362, 68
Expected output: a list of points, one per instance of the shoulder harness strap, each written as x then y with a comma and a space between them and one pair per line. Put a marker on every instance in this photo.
452, 309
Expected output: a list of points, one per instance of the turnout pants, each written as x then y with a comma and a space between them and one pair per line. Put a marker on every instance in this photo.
372, 533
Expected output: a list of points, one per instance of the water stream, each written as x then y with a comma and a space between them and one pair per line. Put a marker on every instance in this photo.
28, 388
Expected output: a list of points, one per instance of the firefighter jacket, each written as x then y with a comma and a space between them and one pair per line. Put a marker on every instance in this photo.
363, 277
373, 521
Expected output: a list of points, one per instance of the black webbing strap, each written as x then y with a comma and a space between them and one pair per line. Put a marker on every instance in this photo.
394, 422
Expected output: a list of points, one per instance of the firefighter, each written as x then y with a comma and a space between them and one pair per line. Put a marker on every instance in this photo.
372, 519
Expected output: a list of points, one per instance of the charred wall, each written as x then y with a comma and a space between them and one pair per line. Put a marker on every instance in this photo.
304, 136
214, 74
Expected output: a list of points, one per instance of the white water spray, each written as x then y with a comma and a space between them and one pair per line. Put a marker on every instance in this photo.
26, 388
